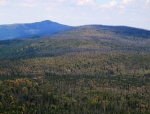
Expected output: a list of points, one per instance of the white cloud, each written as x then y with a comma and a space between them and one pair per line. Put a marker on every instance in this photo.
30, 0
29, 5
2, 14
109, 5
48, 9
147, 2
121, 7
127, 1
85, 2
3, 2
129, 6
60, 0
106, 18
132, 19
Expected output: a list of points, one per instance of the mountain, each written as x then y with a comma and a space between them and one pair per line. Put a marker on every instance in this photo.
92, 69
77, 39
30, 29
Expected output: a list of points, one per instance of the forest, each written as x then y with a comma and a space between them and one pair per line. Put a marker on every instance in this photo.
83, 70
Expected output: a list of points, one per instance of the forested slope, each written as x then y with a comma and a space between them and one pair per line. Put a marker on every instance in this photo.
20, 30
87, 69
84, 38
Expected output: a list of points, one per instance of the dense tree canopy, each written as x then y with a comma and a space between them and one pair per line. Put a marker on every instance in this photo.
85, 70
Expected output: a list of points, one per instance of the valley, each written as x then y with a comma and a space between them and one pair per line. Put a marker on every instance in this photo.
89, 69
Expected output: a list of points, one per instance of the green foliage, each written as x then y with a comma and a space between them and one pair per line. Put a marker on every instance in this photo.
84, 70
72, 95
86, 38
93, 63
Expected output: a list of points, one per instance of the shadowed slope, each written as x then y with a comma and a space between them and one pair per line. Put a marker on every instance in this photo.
30, 29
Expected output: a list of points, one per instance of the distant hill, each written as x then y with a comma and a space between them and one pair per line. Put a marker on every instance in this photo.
91, 69
30, 29
78, 39
125, 30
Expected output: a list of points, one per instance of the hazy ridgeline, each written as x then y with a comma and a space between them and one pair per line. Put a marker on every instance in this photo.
84, 70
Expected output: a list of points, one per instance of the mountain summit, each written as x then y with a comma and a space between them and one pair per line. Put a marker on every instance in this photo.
30, 29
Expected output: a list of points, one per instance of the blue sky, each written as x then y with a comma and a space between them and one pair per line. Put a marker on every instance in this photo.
135, 13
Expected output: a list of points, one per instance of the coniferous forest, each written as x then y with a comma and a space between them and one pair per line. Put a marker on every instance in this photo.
91, 69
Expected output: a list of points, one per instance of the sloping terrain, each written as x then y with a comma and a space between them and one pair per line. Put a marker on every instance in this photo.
30, 29
87, 69
84, 38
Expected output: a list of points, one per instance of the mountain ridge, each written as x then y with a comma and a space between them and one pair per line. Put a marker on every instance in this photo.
21, 30
85, 69
77, 39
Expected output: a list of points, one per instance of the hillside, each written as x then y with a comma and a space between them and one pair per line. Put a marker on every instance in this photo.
84, 38
87, 69
30, 29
